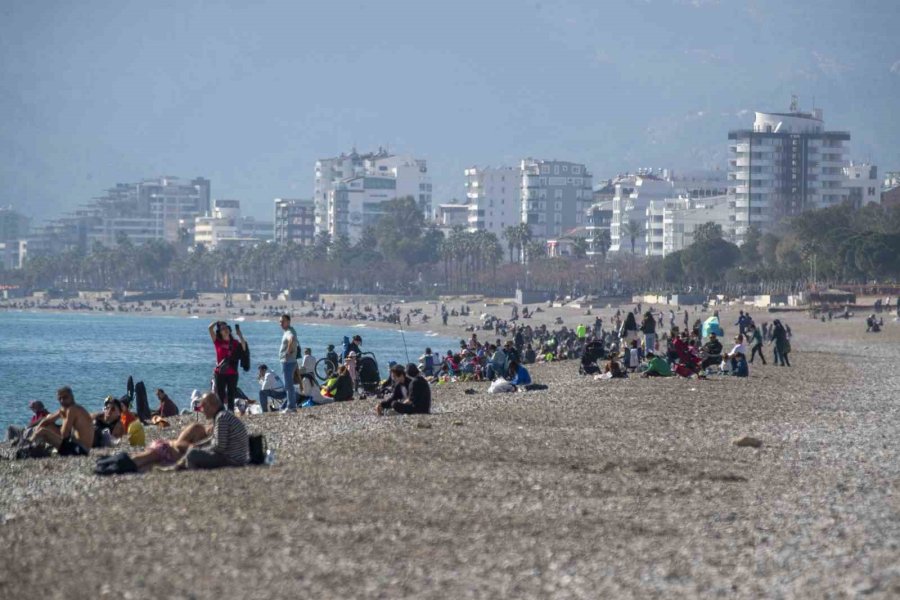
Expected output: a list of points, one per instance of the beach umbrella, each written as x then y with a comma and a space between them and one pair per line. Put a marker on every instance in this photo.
711, 325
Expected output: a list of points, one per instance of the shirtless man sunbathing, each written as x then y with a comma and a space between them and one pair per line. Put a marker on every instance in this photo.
76, 436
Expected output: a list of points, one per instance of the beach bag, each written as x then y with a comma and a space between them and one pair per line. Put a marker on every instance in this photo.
257, 443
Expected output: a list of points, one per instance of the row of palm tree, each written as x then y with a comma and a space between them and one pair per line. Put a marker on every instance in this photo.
467, 255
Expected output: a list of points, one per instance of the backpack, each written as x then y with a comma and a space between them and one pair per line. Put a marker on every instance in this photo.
257, 443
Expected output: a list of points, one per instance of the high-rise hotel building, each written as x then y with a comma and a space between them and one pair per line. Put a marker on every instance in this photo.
786, 164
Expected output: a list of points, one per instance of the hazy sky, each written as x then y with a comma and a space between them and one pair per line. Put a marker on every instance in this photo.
249, 94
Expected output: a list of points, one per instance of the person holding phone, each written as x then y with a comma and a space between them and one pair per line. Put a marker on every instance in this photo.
228, 355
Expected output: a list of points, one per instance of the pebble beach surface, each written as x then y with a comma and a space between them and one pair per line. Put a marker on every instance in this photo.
627, 488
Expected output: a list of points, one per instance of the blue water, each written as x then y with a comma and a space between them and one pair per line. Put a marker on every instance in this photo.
95, 354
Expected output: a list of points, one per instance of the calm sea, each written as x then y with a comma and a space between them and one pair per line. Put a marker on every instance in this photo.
95, 354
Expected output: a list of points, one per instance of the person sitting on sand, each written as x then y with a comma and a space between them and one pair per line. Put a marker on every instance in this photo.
128, 417
712, 351
76, 435
270, 386
739, 365
419, 399
614, 368
530, 355
400, 391
223, 443
737, 349
518, 374
656, 366
340, 388
108, 423
167, 407
14, 433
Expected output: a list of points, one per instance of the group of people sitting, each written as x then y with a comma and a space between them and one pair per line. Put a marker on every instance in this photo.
477, 361
114, 422
73, 431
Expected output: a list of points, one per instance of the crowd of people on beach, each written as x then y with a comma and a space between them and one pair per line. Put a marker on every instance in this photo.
629, 345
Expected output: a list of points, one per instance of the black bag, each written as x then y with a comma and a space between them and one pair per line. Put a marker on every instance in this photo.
257, 442
245, 358
142, 406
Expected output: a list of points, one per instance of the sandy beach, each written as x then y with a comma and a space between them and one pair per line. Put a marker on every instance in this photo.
629, 488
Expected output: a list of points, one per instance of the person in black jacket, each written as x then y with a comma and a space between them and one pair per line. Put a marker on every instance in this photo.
713, 351
419, 399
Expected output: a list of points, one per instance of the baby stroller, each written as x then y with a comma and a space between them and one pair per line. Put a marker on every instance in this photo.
593, 352
368, 378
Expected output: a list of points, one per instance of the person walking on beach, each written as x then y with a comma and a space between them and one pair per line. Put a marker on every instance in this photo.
287, 355
756, 344
228, 355
781, 344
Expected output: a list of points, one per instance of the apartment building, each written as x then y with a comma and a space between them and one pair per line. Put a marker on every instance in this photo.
786, 164
555, 196
341, 178
295, 221
493, 196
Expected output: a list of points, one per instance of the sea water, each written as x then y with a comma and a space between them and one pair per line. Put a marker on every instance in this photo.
95, 353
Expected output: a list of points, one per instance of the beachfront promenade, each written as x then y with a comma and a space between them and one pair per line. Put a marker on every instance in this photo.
588, 489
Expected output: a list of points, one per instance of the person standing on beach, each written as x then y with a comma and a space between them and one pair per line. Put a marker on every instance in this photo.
228, 355
287, 354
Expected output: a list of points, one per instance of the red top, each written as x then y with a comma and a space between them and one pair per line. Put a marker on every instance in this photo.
224, 350
38, 416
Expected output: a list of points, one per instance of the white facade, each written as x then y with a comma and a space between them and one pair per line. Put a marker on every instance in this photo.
410, 177
670, 223
861, 184
357, 203
786, 164
452, 215
632, 197
493, 195
555, 196
223, 224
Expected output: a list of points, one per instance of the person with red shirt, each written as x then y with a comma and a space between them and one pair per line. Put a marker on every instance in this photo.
228, 355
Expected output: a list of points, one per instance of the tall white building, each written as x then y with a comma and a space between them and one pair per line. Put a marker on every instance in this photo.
333, 187
786, 164
633, 194
861, 184
493, 196
555, 196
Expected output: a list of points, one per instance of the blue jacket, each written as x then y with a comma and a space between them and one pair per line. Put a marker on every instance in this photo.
523, 377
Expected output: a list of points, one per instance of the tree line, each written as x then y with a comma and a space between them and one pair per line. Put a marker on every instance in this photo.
402, 253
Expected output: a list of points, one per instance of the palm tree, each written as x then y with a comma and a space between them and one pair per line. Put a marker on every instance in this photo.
633, 230
524, 237
511, 235
602, 242
579, 247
